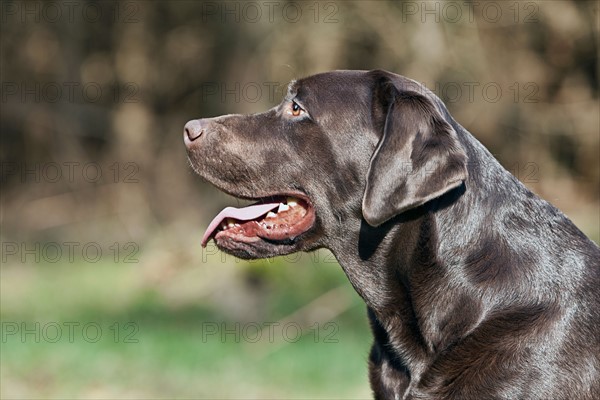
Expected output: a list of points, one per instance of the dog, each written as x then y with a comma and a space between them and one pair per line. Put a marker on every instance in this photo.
475, 287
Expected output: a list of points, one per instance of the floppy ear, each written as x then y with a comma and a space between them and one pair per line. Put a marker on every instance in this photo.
418, 158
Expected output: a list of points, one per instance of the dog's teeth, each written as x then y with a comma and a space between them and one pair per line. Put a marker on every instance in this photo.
271, 214
223, 225
230, 222
283, 207
291, 201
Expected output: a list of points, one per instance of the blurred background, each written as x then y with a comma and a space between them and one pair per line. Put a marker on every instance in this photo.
105, 290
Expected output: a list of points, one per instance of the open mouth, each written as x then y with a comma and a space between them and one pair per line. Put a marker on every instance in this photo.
276, 219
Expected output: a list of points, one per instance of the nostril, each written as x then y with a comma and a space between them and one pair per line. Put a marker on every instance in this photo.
192, 135
193, 130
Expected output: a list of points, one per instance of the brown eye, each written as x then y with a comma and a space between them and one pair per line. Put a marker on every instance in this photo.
296, 109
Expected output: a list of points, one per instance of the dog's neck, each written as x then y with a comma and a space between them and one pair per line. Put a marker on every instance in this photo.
394, 291
392, 254
405, 270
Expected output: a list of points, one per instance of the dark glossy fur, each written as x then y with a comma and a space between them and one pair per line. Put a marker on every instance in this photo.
476, 288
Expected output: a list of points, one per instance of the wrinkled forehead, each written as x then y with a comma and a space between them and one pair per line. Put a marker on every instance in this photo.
332, 87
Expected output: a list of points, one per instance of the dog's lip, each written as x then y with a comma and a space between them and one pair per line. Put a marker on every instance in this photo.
249, 218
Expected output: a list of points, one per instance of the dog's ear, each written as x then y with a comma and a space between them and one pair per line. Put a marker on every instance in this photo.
418, 157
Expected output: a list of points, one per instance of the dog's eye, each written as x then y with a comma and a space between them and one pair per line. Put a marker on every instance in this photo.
296, 109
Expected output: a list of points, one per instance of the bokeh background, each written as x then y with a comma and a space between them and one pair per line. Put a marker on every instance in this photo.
105, 290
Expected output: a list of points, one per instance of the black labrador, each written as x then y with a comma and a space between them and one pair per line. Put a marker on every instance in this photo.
476, 288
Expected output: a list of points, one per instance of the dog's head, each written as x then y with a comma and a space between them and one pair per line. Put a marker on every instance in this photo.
341, 146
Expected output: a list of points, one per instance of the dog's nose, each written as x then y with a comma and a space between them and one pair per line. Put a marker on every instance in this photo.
193, 130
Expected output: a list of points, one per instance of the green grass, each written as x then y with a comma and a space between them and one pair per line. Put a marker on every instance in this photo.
171, 333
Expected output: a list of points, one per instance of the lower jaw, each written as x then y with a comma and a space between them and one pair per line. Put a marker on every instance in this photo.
255, 248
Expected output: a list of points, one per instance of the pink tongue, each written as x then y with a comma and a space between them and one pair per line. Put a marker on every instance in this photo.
241, 214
